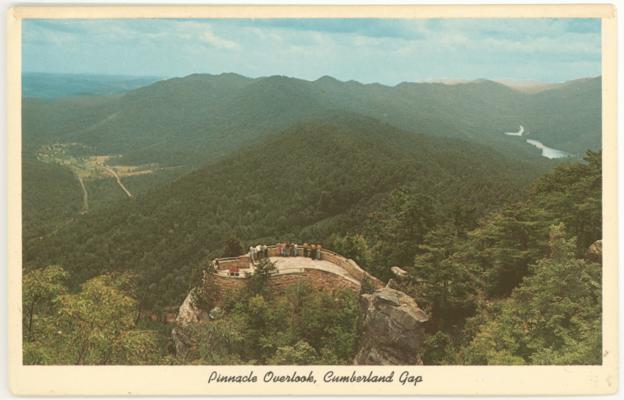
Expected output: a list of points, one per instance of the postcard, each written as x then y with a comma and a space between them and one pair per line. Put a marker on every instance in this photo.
358, 200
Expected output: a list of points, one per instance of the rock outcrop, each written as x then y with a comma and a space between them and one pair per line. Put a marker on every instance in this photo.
188, 313
393, 331
594, 252
400, 275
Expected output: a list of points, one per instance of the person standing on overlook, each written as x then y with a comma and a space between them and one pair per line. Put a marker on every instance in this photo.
265, 251
251, 254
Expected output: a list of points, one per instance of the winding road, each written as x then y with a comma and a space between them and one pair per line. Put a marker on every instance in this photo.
85, 196
121, 185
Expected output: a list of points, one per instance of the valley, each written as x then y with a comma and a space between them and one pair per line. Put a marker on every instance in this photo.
428, 178
86, 166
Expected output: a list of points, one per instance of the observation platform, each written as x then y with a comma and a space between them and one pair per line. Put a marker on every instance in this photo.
330, 262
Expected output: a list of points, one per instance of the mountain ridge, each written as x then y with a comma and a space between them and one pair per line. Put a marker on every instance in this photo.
202, 113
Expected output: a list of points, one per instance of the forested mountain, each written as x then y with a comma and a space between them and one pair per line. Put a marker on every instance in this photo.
573, 118
313, 180
520, 288
190, 119
419, 175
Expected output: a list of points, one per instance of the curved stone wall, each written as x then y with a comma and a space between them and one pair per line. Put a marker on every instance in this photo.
350, 266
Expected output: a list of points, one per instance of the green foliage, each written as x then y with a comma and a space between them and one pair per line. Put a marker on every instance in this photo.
439, 207
215, 114
366, 285
552, 318
270, 192
233, 248
258, 281
465, 279
445, 281
206, 295
299, 326
94, 326
40, 289
353, 246
51, 197
299, 354
401, 225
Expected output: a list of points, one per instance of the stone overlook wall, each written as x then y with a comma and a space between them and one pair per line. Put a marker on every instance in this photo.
241, 262
350, 266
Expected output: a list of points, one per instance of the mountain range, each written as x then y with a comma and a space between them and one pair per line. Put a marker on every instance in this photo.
128, 194
200, 117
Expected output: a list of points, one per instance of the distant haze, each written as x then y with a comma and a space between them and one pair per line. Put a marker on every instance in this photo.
524, 53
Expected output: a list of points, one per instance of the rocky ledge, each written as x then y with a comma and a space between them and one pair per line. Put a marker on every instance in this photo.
393, 331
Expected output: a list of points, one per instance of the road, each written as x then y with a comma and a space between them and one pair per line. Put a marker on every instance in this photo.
121, 185
85, 196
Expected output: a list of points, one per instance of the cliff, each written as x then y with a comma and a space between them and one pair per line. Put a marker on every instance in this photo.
393, 331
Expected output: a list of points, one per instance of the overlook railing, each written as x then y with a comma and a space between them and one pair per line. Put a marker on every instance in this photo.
242, 265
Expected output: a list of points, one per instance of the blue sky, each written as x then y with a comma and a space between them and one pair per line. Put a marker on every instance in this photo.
387, 51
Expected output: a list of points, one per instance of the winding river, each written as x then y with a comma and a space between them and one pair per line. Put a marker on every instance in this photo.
548, 152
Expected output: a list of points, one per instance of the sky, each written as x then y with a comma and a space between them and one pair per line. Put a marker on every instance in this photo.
387, 51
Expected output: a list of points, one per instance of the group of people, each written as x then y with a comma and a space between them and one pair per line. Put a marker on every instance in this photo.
288, 249
258, 252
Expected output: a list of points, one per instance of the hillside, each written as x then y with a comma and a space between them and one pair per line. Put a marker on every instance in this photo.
193, 119
573, 118
173, 126
309, 182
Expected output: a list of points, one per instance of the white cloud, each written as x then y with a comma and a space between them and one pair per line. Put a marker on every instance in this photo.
216, 41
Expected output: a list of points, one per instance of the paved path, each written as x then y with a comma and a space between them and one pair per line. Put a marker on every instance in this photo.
287, 265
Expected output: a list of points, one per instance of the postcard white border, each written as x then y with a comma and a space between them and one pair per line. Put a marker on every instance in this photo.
192, 380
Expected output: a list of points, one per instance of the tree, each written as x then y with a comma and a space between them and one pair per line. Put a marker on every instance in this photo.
552, 318
353, 246
259, 279
299, 354
233, 248
401, 224
40, 288
217, 342
206, 295
97, 325
444, 279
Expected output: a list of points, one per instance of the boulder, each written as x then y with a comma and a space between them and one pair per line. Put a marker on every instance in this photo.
393, 331
594, 252
399, 273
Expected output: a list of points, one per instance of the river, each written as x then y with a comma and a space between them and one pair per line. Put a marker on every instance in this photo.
519, 133
548, 152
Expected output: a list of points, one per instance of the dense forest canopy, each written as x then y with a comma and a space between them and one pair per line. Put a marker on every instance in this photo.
493, 236
315, 180
187, 120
